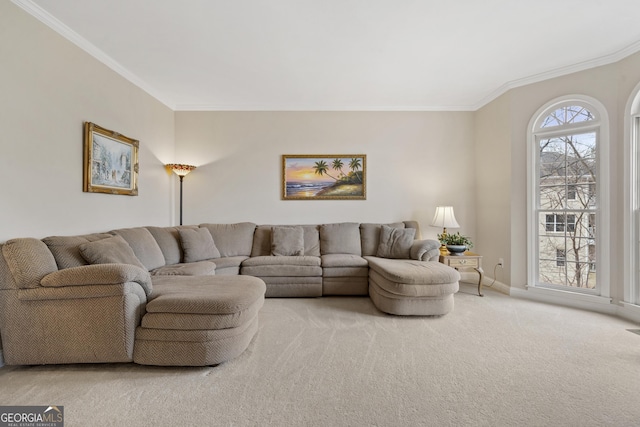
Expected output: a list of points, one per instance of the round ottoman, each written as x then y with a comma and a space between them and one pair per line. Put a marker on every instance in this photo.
198, 320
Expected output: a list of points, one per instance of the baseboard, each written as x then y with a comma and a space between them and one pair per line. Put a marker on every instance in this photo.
630, 312
489, 283
569, 299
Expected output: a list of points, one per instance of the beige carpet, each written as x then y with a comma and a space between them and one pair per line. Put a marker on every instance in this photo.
493, 361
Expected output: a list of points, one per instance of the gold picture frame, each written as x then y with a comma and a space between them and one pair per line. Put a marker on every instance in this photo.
324, 177
110, 161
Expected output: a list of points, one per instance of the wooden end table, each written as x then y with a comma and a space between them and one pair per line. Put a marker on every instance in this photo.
468, 260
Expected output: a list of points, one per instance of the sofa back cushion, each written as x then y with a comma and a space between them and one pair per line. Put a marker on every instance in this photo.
370, 236
168, 238
65, 248
415, 225
144, 246
262, 240
112, 250
341, 238
29, 260
287, 241
232, 239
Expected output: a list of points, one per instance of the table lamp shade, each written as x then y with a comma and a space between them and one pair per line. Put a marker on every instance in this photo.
445, 218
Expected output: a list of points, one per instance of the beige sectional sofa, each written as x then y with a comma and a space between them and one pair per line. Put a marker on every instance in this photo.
190, 295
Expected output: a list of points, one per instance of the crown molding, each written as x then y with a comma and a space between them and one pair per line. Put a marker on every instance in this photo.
66, 32
559, 72
213, 107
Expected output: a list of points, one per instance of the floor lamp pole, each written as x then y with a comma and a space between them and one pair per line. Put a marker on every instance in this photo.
180, 170
181, 178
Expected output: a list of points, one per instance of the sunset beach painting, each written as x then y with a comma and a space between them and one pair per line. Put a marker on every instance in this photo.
324, 177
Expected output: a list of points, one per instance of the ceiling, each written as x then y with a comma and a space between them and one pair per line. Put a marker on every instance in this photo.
404, 55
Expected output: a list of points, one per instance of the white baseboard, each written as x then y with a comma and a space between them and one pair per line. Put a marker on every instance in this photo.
630, 312
489, 283
569, 299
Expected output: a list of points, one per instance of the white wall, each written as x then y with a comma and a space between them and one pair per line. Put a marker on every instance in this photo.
48, 88
493, 169
415, 162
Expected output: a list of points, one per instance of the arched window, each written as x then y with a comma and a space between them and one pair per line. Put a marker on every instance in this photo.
566, 195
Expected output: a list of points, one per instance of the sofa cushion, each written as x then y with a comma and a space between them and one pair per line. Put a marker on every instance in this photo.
395, 242
112, 250
232, 239
65, 248
206, 295
200, 268
370, 236
262, 240
412, 272
287, 241
344, 265
29, 260
144, 246
343, 260
282, 266
168, 240
342, 238
198, 245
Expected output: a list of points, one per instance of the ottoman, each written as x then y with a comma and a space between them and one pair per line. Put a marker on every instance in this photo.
198, 320
410, 287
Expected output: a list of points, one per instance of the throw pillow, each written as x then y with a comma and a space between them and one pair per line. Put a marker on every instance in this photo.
287, 241
395, 242
110, 250
198, 244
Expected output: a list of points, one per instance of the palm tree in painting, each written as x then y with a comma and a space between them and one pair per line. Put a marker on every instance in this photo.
338, 165
354, 165
321, 168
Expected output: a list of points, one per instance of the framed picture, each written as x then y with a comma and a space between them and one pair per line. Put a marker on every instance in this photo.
324, 177
110, 162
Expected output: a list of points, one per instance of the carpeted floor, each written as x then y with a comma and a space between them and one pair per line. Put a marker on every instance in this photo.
493, 361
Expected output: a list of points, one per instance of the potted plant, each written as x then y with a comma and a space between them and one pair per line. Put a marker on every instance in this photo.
457, 244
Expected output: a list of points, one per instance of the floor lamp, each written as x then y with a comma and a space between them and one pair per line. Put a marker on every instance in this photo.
181, 171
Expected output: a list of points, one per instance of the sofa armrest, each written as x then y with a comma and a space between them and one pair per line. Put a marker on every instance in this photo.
425, 250
99, 274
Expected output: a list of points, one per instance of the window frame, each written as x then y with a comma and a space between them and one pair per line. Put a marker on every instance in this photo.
535, 133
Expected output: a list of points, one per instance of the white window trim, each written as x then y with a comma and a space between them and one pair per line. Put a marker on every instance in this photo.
603, 208
631, 220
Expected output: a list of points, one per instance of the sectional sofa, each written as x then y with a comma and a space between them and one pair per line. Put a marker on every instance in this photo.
190, 295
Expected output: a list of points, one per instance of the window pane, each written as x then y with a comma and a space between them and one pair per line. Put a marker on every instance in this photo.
550, 273
566, 115
552, 197
579, 275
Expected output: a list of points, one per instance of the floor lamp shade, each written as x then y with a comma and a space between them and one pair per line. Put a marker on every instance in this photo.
180, 170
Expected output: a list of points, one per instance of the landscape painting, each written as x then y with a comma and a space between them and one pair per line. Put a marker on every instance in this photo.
324, 177
110, 162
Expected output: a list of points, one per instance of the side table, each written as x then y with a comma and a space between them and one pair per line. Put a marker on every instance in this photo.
468, 260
